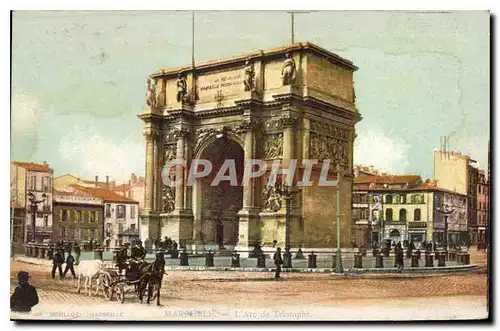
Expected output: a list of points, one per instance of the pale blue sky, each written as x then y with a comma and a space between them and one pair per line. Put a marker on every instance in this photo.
421, 76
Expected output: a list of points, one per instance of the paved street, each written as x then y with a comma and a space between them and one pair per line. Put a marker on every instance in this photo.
247, 295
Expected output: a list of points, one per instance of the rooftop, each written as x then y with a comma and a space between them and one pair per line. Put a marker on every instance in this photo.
34, 166
387, 179
240, 58
105, 194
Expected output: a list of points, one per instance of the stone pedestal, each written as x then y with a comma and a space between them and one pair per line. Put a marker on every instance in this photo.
248, 231
178, 225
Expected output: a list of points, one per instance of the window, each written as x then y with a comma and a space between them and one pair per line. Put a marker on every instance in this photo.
108, 210
45, 220
91, 216
63, 232
132, 211
402, 215
397, 199
120, 211
92, 234
120, 228
403, 198
76, 217
388, 199
416, 215
96, 216
77, 235
388, 214
374, 215
132, 226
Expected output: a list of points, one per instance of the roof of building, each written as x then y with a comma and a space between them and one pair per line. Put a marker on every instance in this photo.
387, 179
426, 186
34, 166
105, 194
240, 58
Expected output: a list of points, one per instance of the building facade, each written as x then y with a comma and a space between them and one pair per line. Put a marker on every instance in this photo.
294, 102
406, 208
135, 189
482, 207
78, 217
121, 217
31, 196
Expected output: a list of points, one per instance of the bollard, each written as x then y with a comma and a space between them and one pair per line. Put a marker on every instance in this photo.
235, 260
409, 253
358, 261
441, 259
419, 253
261, 260
209, 259
414, 260
287, 258
379, 261
42, 252
184, 259
386, 251
98, 254
363, 252
334, 263
466, 258
36, 251
429, 260
27, 250
50, 253
375, 252
311, 260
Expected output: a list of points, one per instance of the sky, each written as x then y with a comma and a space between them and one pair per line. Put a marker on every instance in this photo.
79, 80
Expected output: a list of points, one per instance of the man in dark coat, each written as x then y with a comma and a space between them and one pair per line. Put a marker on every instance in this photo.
57, 262
277, 262
70, 261
25, 296
78, 251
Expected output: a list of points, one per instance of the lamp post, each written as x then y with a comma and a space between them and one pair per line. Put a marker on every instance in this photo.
34, 207
338, 263
286, 193
445, 211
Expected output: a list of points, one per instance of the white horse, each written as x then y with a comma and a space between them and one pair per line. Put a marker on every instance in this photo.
88, 269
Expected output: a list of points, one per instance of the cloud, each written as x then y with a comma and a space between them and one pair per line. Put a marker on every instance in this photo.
26, 115
90, 153
382, 151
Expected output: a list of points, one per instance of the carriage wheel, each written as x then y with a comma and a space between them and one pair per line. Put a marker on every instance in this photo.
106, 286
120, 293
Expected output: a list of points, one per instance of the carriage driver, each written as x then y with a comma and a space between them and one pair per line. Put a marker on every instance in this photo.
137, 256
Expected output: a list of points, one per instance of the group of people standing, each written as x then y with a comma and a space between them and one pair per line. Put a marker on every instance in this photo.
58, 259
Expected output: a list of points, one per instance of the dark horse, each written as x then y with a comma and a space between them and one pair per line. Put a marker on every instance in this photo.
151, 277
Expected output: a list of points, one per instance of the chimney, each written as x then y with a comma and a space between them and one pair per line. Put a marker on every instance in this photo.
96, 180
107, 181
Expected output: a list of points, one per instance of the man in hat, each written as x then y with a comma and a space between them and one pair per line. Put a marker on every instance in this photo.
57, 262
70, 261
278, 262
25, 296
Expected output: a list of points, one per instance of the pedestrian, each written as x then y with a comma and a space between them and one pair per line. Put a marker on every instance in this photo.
57, 262
78, 251
70, 260
278, 262
25, 296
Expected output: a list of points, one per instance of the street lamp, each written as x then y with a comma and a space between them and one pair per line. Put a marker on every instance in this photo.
286, 193
34, 208
445, 211
338, 263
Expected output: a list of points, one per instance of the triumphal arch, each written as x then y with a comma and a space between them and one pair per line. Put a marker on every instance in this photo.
293, 102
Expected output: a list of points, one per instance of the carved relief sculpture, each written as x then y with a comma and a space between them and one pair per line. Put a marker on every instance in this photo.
273, 146
181, 88
150, 96
323, 147
170, 152
249, 76
161, 99
288, 70
271, 198
168, 200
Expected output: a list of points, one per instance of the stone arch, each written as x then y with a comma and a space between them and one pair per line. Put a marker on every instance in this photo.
205, 142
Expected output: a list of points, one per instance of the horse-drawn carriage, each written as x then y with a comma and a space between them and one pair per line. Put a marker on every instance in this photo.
140, 277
